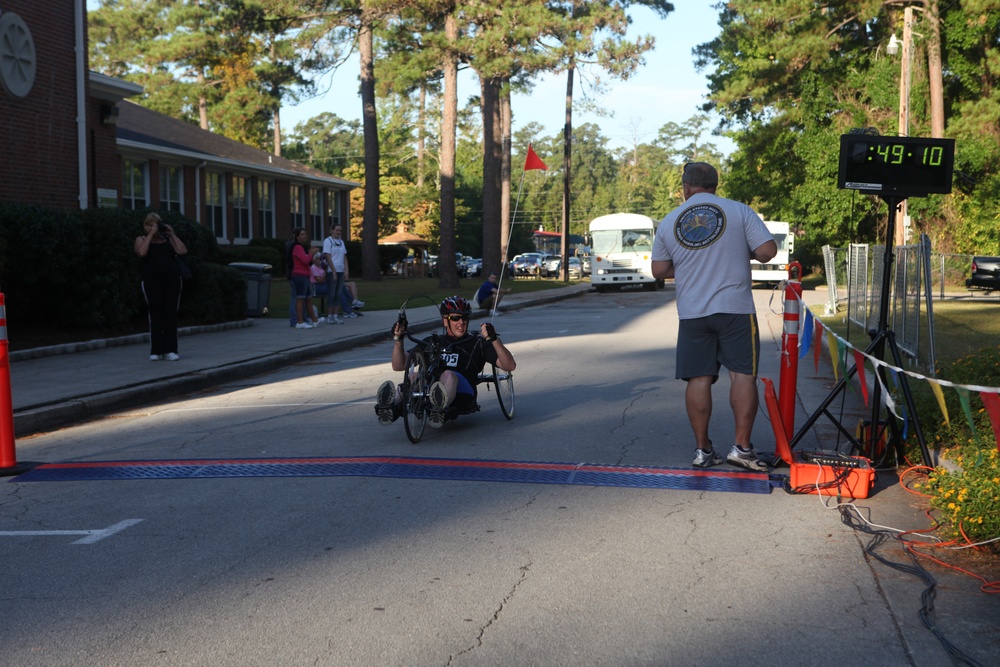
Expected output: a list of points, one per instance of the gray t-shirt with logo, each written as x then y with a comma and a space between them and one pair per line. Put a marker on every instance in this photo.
710, 240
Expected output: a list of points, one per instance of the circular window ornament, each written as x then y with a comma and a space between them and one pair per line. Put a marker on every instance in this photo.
17, 55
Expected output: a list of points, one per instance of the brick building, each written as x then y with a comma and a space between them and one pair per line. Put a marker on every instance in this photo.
71, 139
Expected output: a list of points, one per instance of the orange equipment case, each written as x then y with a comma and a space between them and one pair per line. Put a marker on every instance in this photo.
812, 468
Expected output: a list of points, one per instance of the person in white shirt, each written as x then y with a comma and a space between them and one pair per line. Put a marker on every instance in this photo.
706, 245
335, 253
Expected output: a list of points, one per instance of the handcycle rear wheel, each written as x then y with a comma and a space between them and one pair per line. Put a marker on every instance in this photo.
414, 395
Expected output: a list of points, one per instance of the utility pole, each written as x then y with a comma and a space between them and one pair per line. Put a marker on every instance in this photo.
905, 76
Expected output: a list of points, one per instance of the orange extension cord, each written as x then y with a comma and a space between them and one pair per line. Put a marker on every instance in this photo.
989, 587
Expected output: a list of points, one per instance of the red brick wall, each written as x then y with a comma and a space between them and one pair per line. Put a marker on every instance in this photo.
38, 132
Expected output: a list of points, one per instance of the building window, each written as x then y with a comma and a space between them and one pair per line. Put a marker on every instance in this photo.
241, 208
316, 213
265, 208
171, 190
134, 184
296, 205
215, 210
333, 206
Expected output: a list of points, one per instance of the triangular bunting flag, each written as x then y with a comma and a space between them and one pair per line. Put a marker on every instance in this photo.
936, 388
805, 340
963, 399
831, 343
891, 404
859, 363
992, 404
817, 337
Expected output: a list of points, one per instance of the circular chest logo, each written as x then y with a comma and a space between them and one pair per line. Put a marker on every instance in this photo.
700, 226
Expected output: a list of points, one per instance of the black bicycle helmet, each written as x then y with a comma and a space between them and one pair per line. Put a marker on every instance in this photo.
455, 305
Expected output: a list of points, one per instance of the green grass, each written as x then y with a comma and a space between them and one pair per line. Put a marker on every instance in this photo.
390, 292
961, 328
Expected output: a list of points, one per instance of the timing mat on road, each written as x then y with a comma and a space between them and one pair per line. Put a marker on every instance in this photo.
404, 467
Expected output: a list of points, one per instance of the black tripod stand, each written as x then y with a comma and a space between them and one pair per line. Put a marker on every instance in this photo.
869, 443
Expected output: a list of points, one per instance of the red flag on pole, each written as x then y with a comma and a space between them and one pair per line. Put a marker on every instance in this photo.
533, 161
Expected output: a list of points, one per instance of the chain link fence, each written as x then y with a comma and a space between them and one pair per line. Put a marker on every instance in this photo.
854, 277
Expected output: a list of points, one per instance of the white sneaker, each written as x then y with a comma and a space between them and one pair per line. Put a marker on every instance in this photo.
350, 316
303, 325
495, 313
172, 356
746, 459
318, 322
358, 304
155, 357
333, 319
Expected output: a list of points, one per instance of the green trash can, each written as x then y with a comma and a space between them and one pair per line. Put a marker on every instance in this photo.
258, 277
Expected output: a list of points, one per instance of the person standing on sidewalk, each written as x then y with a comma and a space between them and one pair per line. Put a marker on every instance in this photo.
335, 253
159, 249
706, 245
297, 259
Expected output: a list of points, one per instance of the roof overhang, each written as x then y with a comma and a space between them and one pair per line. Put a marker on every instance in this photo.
138, 149
110, 89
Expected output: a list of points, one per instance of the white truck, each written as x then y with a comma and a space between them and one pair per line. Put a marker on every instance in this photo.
777, 269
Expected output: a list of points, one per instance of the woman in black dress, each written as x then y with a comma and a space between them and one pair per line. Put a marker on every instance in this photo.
161, 284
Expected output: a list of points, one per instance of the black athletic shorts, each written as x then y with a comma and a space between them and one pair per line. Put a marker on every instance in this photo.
704, 344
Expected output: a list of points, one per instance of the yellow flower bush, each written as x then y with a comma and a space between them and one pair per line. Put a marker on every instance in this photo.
967, 497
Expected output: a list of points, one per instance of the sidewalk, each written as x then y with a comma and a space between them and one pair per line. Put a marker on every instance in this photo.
66, 384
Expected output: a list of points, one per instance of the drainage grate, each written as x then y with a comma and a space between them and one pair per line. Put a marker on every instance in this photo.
526, 472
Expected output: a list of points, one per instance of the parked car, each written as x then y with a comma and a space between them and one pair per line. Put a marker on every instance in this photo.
550, 265
528, 265
473, 266
510, 264
576, 268
985, 273
585, 265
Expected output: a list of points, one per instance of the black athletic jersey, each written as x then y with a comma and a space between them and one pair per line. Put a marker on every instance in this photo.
466, 356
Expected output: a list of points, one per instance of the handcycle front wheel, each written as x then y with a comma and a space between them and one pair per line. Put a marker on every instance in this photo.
504, 381
414, 395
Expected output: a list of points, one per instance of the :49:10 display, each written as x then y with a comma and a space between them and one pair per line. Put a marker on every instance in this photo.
931, 156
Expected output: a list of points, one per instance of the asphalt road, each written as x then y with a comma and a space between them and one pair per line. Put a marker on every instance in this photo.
357, 570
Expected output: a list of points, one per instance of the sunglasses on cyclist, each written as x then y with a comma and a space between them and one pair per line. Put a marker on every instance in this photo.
458, 318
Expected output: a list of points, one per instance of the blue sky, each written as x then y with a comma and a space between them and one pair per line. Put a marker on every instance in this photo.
667, 88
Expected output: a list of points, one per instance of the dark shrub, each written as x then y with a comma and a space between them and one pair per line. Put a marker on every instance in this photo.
78, 268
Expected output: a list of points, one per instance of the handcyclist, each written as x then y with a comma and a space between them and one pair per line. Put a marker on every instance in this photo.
462, 358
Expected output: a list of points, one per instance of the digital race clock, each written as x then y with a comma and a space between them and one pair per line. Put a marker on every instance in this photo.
896, 166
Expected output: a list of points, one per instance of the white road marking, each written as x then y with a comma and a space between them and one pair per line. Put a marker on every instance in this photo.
91, 536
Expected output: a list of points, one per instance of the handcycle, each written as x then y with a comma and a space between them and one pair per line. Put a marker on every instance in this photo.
423, 368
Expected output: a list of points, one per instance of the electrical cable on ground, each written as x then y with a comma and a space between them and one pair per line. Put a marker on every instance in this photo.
852, 517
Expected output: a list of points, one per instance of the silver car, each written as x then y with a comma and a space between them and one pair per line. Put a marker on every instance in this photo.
550, 265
